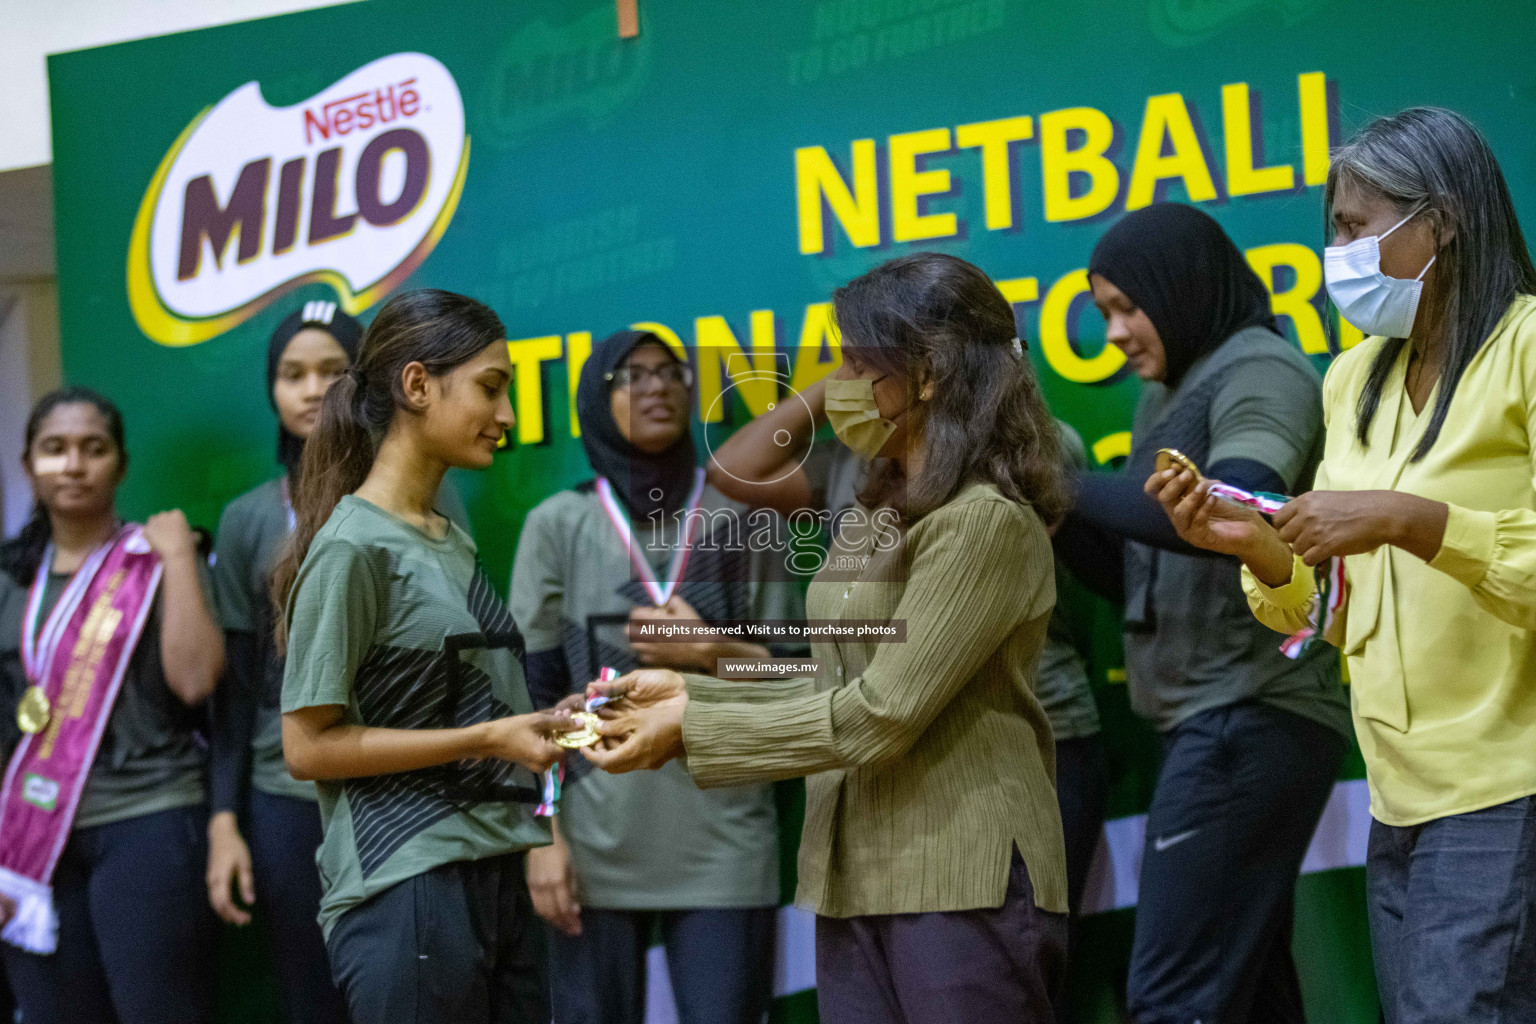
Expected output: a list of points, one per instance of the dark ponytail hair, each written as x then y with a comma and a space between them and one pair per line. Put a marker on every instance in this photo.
438, 329
22, 555
934, 317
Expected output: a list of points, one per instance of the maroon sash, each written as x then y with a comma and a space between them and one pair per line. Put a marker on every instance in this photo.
78, 658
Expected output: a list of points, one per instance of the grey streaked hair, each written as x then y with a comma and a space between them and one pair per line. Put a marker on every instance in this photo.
1437, 160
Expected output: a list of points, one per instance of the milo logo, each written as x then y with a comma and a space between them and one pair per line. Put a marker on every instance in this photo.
353, 187
39, 792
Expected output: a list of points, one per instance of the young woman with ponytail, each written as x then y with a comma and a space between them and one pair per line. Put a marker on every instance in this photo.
253, 796
107, 644
403, 690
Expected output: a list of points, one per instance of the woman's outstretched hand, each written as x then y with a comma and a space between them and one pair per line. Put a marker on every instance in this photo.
530, 739
642, 721
1206, 521
641, 688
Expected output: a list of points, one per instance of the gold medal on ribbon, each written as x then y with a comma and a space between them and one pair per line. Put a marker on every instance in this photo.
1172, 458
33, 712
584, 735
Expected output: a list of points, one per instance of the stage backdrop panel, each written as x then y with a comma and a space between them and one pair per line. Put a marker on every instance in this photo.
716, 178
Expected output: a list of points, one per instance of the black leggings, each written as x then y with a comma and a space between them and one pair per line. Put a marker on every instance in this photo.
1240, 793
1082, 790
284, 835
136, 935
719, 962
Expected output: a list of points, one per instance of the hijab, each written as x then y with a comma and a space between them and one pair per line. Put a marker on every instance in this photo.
1177, 264
647, 482
348, 333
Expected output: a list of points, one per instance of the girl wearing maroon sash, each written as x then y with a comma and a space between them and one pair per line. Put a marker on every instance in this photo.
107, 646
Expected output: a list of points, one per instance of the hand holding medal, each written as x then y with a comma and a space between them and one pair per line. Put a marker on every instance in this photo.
1218, 517
585, 734
1172, 458
640, 720
1205, 512
638, 690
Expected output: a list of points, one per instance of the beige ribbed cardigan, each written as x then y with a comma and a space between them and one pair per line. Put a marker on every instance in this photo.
929, 760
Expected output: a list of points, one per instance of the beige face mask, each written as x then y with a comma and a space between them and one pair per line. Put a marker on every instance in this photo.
855, 416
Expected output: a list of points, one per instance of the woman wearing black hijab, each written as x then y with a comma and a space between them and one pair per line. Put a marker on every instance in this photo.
646, 541
1252, 739
309, 351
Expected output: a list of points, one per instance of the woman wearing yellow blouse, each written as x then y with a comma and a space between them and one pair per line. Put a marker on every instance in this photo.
1426, 492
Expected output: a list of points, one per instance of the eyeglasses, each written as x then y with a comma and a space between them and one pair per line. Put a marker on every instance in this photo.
669, 374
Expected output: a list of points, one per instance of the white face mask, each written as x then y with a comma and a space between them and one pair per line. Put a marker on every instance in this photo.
1367, 298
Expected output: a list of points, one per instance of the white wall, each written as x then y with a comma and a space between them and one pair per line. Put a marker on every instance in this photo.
32, 29
29, 322
29, 368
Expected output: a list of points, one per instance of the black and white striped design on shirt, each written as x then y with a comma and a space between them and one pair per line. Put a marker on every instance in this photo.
406, 688
397, 688
491, 612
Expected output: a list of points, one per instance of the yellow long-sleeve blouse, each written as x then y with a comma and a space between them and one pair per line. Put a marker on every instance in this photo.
1442, 655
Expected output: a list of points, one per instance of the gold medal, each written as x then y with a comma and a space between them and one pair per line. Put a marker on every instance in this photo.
33, 712
584, 735
1172, 458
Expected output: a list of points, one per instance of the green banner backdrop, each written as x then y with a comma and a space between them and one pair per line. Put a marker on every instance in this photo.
716, 178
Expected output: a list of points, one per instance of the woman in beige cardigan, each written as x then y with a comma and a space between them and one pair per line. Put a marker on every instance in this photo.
932, 849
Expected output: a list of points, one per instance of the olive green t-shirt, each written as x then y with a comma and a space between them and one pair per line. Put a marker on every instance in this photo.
149, 759
404, 630
252, 532
652, 840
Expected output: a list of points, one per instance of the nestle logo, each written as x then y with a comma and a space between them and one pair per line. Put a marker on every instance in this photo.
363, 110
247, 204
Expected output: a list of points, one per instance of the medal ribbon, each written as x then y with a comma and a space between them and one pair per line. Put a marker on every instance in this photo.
660, 592
1330, 575
555, 777
47, 641
604, 675
80, 659
552, 780
293, 519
